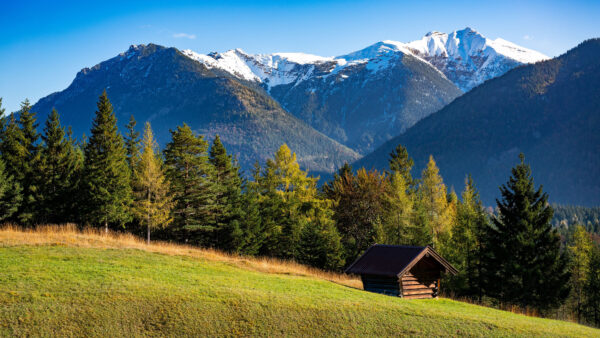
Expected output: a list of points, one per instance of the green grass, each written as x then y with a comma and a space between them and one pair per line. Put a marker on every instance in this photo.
58, 290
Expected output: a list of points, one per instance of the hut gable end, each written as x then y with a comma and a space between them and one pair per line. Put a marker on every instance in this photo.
406, 271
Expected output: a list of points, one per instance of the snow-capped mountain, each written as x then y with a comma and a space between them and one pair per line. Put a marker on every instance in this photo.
360, 99
465, 57
270, 69
468, 58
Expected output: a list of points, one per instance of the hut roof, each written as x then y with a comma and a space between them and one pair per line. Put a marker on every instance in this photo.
394, 260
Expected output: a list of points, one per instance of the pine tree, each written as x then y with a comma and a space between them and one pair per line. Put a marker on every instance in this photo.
77, 149
106, 174
581, 251
56, 173
227, 182
13, 151
22, 162
401, 163
320, 244
524, 250
2, 123
189, 172
592, 288
10, 194
432, 197
249, 236
153, 203
132, 144
466, 248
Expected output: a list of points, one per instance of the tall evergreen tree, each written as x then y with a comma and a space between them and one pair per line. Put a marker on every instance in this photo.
21, 156
132, 144
153, 203
227, 182
250, 236
56, 173
524, 250
13, 151
2, 122
592, 288
320, 243
10, 194
106, 174
189, 172
77, 149
466, 247
401, 163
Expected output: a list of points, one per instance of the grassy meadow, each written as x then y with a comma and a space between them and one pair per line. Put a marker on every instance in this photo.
57, 281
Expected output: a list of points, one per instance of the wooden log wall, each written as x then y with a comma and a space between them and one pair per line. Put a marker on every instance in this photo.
422, 281
381, 284
421, 286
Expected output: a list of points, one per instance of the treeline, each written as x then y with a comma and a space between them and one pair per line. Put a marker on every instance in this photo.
194, 192
566, 217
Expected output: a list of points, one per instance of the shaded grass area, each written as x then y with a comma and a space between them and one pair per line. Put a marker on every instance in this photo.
60, 289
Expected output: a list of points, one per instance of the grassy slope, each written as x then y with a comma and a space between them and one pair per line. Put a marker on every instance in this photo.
68, 284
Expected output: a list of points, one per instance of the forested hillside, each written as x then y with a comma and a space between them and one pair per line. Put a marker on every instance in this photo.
550, 111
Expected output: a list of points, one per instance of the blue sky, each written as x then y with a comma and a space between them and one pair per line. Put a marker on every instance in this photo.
43, 44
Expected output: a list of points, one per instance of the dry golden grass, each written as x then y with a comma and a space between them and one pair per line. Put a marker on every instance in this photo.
70, 235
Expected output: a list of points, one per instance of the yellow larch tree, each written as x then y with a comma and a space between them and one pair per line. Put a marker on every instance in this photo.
432, 194
152, 204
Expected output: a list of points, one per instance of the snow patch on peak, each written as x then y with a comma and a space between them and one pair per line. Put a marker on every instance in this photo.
301, 58
468, 58
517, 52
232, 61
270, 69
465, 57
379, 49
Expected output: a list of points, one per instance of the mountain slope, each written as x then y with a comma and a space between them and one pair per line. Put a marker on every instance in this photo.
167, 88
361, 99
57, 282
364, 98
549, 110
380, 92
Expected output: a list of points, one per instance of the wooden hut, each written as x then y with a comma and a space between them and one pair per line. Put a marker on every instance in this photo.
406, 271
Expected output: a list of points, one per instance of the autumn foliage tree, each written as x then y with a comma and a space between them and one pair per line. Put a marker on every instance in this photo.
436, 211
153, 203
359, 209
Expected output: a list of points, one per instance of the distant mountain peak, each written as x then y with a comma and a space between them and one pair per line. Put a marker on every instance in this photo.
468, 58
